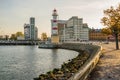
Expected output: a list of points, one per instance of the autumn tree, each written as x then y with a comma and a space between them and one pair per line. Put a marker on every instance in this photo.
19, 34
107, 32
44, 36
111, 19
13, 37
6, 37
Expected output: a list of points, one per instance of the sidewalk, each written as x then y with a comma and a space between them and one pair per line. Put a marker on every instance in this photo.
108, 67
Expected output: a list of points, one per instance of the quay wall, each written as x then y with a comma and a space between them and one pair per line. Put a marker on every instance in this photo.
19, 42
88, 66
77, 68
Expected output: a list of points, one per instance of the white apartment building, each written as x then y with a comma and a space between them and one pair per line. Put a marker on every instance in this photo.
36, 33
76, 30
61, 29
27, 31
30, 31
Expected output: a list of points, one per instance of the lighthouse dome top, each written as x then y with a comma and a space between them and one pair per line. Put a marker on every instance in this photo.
54, 13
55, 10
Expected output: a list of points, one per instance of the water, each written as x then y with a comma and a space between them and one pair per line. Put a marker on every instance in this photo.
28, 62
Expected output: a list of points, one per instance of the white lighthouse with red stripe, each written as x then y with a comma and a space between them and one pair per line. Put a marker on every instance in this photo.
54, 27
54, 23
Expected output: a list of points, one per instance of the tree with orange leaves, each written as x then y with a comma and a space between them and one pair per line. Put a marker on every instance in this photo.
111, 19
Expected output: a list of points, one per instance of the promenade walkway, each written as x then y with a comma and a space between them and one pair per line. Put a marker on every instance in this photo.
108, 67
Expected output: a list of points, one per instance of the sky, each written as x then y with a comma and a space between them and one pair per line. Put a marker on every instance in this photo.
15, 13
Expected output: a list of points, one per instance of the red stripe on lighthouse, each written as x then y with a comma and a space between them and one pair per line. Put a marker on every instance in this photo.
54, 20
54, 28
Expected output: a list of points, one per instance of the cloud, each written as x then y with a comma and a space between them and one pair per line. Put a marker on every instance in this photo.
14, 13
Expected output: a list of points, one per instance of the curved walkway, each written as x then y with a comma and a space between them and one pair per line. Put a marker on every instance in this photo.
108, 67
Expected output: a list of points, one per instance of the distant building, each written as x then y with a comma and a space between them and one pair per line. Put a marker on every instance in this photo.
32, 28
69, 30
96, 34
76, 30
20, 38
61, 29
27, 32
30, 31
85, 32
36, 33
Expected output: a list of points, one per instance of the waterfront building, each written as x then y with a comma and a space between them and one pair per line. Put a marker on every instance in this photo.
96, 34
32, 28
76, 30
68, 30
61, 29
27, 32
85, 32
30, 31
20, 38
36, 33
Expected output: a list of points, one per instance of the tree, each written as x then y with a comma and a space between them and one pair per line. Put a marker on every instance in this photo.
13, 37
19, 34
6, 37
112, 21
44, 36
106, 31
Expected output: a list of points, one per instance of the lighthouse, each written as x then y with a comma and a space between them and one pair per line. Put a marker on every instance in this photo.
54, 27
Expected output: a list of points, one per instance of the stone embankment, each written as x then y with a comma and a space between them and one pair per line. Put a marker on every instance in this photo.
19, 42
71, 69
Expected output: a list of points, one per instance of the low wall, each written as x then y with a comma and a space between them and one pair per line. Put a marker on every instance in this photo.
88, 66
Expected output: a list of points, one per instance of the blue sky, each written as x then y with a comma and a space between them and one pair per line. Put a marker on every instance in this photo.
14, 13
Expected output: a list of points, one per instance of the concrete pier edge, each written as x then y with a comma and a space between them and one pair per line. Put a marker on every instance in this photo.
90, 64
93, 50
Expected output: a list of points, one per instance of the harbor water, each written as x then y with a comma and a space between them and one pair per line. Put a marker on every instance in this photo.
28, 62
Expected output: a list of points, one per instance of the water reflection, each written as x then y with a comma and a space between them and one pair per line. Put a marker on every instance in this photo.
27, 62
54, 58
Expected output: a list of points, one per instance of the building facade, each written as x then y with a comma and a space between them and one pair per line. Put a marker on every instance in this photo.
32, 28
27, 32
61, 30
36, 33
76, 30
69, 30
30, 31
96, 34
